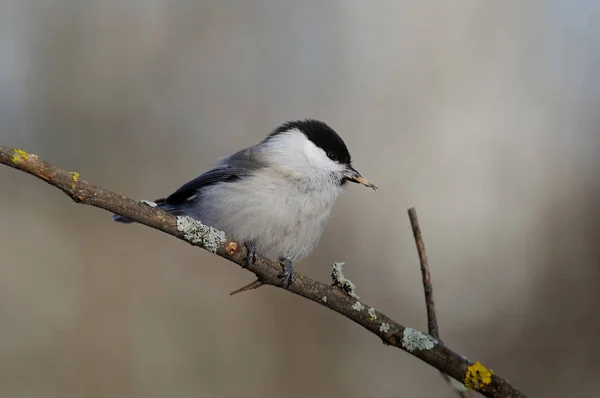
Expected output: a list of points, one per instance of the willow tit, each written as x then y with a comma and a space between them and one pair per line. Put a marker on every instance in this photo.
275, 196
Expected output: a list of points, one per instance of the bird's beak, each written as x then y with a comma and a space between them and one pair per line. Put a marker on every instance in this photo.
350, 174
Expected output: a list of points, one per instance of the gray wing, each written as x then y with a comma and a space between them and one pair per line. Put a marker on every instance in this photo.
180, 199
238, 166
211, 177
230, 169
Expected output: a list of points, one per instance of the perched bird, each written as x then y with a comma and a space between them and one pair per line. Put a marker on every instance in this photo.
275, 196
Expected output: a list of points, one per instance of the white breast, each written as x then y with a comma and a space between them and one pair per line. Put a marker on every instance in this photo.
284, 217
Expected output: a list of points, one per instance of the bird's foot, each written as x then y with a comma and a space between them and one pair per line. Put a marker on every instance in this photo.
251, 257
287, 276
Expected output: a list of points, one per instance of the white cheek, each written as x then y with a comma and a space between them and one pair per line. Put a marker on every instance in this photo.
316, 157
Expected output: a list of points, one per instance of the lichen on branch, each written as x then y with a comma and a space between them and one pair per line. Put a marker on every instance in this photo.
420, 345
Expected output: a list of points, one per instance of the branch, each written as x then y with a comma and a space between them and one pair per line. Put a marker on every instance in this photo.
418, 344
432, 325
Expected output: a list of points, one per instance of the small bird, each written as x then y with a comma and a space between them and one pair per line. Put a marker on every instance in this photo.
275, 196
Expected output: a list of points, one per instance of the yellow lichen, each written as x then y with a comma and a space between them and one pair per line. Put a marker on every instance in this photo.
75, 179
478, 376
18, 155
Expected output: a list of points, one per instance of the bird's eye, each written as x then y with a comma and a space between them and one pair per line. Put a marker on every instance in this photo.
331, 155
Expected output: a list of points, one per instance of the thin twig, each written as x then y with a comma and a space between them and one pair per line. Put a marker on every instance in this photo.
417, 344
251, 286
432, 324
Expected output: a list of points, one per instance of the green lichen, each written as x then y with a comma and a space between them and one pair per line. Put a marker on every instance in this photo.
384, 327
199, 234
358, 306
414, 340
372, 313
341, 281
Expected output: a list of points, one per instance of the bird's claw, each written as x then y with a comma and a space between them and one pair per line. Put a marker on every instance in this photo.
251, 257
287, 276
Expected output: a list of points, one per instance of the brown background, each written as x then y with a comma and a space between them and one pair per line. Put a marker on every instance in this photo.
482, 114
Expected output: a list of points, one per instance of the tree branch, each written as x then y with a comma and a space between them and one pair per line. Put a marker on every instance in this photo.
418, 344
432, 324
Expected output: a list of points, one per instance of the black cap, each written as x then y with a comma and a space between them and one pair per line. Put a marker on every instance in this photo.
321, 135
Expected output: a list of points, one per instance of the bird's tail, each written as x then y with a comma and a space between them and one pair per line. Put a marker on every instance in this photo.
122, 219
160, 203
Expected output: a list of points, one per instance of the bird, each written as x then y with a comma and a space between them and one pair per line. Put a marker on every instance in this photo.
276, 196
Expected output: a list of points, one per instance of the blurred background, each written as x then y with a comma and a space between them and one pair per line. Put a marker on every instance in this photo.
482, 114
